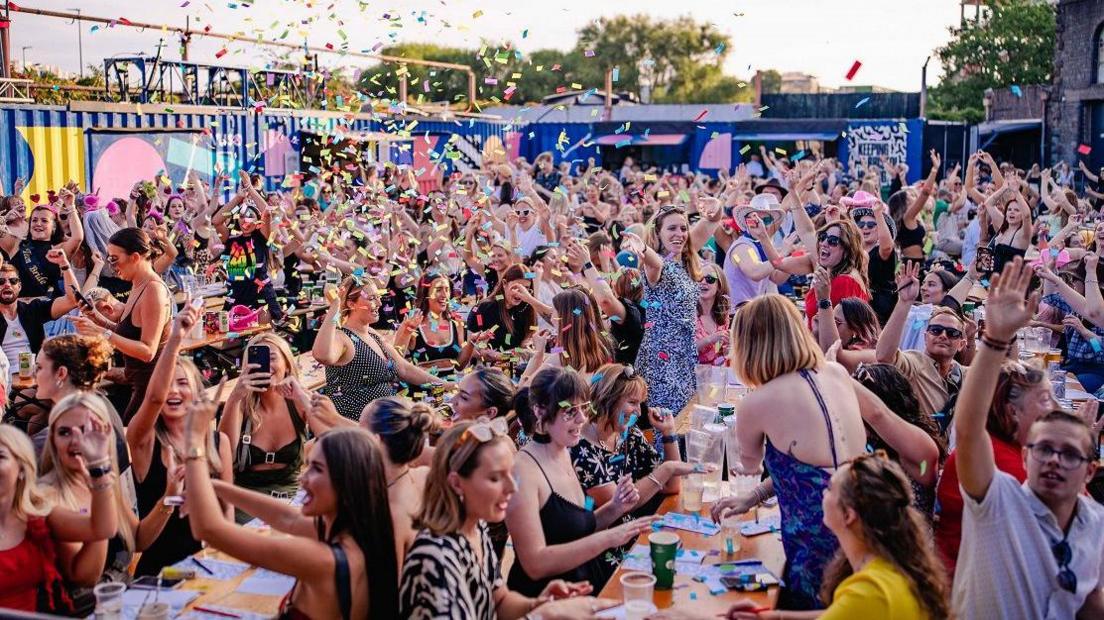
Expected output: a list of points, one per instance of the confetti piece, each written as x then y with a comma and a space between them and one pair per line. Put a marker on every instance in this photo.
862, 102
853, 70
477, 14
1016, 90
923, 467
745, 149
1084, 149
701, 115
589, 504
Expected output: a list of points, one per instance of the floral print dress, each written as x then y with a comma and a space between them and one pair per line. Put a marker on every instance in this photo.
667, 354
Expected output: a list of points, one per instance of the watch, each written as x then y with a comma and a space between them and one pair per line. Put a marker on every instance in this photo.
588, 265
107, 334
824, 304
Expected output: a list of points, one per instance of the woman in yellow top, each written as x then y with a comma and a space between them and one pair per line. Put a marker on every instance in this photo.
885, 567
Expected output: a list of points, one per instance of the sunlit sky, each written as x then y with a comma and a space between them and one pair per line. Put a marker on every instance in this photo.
822, 37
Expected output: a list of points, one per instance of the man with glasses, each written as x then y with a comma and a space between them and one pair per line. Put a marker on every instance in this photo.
933, 372
1031, 550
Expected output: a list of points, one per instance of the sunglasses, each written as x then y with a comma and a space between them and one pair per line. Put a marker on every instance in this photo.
523, 212
710, 279
939, 330
866, 225
11, 281
480, 432
577, 413
832, 240
1063, 554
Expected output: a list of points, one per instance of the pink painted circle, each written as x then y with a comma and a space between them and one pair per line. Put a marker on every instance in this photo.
124, 163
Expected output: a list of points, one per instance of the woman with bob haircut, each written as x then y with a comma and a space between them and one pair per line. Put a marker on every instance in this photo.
802, 420
451, 570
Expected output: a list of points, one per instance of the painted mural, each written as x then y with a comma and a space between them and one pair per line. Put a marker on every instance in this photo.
119, 160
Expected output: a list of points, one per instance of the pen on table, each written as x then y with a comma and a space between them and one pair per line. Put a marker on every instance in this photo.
203, 566
215, 612
757, 514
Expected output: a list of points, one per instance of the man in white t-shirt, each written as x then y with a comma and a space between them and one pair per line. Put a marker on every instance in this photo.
1032, 550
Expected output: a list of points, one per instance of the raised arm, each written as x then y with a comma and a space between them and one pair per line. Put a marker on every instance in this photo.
1085, 170
653, 263
917, 451
1006, 312
76, 228
279, 514
917, 206
330, 349
908, 287
711, 213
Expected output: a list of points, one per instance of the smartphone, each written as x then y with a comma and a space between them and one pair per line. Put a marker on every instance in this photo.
985, 260
150, 582
81, 298
261, 355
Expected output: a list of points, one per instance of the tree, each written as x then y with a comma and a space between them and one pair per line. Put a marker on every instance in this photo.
771, 81
1013, 45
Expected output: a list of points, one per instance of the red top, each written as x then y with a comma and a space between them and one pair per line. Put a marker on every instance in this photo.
843, 286
25, 567
948, 524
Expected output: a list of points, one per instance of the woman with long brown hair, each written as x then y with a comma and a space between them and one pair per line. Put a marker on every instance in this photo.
711, 329
506, 313
432, 333
141, 332
580, 335
885, 567
672, 271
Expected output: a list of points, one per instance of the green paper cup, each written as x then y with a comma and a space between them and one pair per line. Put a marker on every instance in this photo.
664, 546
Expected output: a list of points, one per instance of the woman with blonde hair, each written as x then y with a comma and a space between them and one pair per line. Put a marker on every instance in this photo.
157, 440
30, 527
671, 274
613, 446
451, 570
65, 480
804, 412
265, 420
360, 366
711, 329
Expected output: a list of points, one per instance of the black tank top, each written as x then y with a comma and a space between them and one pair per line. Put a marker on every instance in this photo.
562, 521
136, 371
290, 455
425, 352
175, 542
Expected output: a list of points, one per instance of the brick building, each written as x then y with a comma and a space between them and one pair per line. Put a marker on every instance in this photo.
1075, 107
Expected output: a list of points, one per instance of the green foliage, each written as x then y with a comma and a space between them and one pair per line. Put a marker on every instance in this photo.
1013, 45
686, 59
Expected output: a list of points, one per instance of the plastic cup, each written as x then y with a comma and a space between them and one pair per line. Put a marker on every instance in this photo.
664, 546
693, 486
109, 600
730, 538
637, 586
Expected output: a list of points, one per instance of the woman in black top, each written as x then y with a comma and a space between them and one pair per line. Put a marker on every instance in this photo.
246, 256
265, 421
621, 304
504, 313
556, 534
157, 442
877, 230
906, 215
431, 333
141, 332
38, 275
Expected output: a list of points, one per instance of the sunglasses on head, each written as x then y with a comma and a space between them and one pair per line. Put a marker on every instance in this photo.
479, 432
939, 330
832, 240
710, 279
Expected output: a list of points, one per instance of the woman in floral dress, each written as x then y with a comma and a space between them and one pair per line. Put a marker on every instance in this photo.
672, 272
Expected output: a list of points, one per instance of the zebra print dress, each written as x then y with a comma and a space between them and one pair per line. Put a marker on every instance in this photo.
443, 579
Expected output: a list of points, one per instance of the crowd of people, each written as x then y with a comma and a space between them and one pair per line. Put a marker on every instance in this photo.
506, 353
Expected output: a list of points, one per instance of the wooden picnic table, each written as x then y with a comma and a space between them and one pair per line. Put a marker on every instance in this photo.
213, 340
688, 593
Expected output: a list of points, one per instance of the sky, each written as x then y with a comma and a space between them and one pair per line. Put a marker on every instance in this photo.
891, 38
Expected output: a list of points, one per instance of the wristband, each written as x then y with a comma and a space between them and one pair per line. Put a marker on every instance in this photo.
65, 268
655, 480
665, 439
588, 265
1095, 344
824, 304
995, 345
99, 470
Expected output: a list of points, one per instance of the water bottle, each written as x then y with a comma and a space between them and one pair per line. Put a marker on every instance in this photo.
1057, 380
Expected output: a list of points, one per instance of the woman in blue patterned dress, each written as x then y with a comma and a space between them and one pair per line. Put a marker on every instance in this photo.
802, 420
671, 274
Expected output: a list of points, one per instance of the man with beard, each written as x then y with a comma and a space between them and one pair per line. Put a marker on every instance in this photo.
22, 321
933, 372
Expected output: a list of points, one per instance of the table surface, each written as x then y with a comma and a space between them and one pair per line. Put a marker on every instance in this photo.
209, 340
224, 594
687, 592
